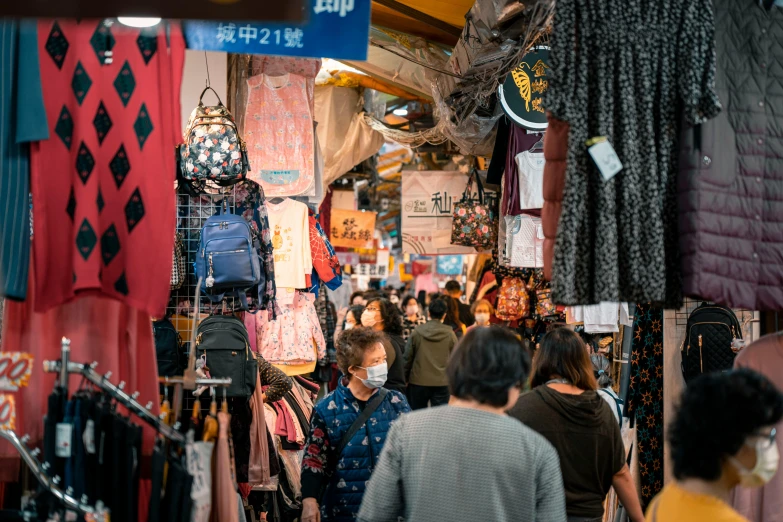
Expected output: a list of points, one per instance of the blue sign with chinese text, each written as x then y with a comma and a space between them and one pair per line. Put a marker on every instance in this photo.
338, 29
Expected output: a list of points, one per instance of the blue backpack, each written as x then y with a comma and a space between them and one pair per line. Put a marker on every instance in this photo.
228, 260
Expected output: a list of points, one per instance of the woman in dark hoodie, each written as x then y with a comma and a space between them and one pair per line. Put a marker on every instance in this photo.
565, 408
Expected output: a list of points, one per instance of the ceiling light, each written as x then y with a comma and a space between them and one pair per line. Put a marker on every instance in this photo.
400, 112
131, 21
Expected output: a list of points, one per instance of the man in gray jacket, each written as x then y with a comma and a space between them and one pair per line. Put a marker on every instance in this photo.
427, 355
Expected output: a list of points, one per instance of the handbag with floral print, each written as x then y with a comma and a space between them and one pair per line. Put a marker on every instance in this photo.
473, 223
213, 148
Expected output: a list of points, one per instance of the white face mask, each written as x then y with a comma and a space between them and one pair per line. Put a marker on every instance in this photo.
482, 318
368, 318
376, 375
394, 299
767, 459
348, 326
412, 310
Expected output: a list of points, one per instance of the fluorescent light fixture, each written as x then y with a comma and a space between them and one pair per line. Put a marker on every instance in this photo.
400, 112
132, 21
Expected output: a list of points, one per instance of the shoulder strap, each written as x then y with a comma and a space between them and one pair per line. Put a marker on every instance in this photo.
363, 417
616, 404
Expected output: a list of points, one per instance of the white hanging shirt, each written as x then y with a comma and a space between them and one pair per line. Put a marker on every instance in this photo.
290, 232
601, 318
531, 179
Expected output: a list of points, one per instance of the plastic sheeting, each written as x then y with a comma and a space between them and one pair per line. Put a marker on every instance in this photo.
346, 140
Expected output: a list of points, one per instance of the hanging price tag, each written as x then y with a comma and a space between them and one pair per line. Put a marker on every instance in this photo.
88, 437
604, 156
63, 444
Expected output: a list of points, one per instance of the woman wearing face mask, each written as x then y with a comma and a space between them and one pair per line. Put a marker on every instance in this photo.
482, 310
382, 316
412, 317
348, 318
723, 436
359, 412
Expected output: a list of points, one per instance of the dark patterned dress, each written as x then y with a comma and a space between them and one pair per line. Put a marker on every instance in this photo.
645, 397
630, 71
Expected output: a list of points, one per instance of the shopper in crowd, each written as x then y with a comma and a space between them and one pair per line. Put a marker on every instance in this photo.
452, 316
565, 408
394, 297
602, 374
348, 318
482, 310
362, 359
722, 436
411, 318
469, 460
357, 298
454, 289
382, 316
427, 354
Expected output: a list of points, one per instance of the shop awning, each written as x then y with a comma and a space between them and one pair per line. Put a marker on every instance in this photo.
450, 13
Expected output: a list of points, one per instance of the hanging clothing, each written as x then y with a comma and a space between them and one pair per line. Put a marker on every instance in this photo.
295, 336
600, 318
555, 153
290, 227
112, 333
617, 240
224, 489
22, 120
279, 134
763, 504
645, 397
103, 184
730, 204
519, 141
530, 166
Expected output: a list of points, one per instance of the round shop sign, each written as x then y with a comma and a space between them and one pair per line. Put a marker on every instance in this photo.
522, 93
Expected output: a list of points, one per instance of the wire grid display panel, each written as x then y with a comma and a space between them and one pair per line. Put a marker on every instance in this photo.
681, 316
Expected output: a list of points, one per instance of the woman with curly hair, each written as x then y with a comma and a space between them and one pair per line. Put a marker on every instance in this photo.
382, 316
723, 436
339, 457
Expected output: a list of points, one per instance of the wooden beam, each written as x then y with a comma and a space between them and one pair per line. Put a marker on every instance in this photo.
421, 17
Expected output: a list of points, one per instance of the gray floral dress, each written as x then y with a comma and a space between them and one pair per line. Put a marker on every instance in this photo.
633, 71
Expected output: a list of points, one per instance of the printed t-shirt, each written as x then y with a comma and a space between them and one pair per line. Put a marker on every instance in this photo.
289, 226
531, 180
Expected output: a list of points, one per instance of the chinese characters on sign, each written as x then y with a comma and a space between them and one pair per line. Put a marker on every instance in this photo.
522, 92
338, 29
352, 228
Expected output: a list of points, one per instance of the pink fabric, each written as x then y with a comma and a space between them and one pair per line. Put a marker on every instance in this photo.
224, 494
289, 339
258, 469
279, 134
109, 332
763, 504
425, 282
250, 324
286, 426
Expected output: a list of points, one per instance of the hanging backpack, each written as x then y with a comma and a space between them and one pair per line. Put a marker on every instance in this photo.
228, 260
223, 342
513, 300
710, 336
168, 349
213, 148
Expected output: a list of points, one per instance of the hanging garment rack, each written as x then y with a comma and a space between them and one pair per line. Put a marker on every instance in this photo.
30, 457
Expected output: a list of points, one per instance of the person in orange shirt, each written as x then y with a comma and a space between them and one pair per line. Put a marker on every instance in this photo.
723, 435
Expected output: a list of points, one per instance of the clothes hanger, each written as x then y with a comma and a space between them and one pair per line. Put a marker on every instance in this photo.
277, 200
165, 408
210, 423
224, 404
539, 145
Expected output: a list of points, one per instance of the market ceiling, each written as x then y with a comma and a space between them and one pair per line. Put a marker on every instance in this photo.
436, 20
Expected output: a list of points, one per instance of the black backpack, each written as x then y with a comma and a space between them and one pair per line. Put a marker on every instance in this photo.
168, 349
710, 332
224, 342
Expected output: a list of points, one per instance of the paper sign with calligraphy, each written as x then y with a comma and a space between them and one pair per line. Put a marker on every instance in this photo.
522, 93
15, 370
337, 29
352, 228
7, 412
428, 199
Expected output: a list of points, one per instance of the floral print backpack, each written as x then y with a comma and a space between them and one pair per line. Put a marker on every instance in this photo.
473, 223
213, 148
